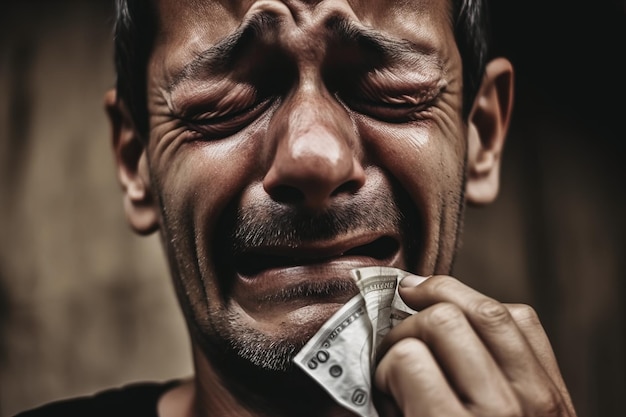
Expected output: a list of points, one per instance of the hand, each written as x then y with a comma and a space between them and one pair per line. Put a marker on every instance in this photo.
465, 354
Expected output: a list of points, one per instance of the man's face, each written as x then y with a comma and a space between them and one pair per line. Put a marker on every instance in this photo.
292, 141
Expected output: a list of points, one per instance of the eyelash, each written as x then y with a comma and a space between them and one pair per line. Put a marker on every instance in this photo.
400, 112
220, 127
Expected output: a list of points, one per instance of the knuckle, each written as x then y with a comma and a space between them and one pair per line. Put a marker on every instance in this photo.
502, 408
408, 355
406, 351
548, 404
491, 313
445, 315
523, 313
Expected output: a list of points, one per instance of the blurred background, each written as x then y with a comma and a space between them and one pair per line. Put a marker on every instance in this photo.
85, 304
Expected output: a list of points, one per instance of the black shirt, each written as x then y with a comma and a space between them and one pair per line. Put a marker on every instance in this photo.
133, 400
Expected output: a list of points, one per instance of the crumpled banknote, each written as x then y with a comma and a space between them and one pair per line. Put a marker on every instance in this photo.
341, 355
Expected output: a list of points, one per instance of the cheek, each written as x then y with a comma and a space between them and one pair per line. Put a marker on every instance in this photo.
199, 179
203, 177
196, 182
427, 164
425, 161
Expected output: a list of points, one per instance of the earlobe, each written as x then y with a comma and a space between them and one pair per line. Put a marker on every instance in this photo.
132, 167
488, 126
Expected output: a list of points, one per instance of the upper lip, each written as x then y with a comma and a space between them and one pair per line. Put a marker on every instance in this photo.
256, 259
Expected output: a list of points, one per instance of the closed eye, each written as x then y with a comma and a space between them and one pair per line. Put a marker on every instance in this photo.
397, 110
217, 125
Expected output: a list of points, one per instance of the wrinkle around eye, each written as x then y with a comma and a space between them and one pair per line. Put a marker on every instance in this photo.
397, 108
210, 127
394, 96
221, 97
394, 89
391, 114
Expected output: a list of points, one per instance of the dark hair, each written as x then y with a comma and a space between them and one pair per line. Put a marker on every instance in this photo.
134, 33
135, 30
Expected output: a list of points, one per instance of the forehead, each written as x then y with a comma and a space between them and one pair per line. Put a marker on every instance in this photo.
188, 27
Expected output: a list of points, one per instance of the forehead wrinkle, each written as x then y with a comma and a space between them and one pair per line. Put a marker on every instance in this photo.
219, 56
389, 49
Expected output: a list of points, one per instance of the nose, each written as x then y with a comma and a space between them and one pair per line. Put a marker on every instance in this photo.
316, 153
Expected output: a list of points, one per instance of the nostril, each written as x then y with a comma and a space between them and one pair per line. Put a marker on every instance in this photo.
287, 194
314, 179
348, 187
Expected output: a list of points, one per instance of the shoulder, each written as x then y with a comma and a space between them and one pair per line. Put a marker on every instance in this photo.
137, 399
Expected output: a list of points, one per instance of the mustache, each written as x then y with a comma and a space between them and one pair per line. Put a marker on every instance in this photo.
268, 223
273, 224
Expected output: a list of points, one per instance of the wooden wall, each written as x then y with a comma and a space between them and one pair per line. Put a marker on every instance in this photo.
85, 304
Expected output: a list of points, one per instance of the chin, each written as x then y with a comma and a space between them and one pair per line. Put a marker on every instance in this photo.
238, 342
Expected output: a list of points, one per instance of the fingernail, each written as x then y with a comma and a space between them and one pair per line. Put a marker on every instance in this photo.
412, 281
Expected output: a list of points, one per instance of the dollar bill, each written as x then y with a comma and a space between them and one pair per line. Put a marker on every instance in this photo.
378, 286
341, 355
338, 357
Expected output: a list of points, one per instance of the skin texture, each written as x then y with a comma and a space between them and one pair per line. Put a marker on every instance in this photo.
291, 141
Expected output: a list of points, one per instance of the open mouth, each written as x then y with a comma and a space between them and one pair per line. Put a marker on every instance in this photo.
254, 262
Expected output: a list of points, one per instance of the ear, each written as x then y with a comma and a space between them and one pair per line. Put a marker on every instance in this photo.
488, 126
132, 167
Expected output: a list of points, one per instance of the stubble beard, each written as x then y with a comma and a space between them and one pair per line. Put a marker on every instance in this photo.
388, 209
225, 336
245, 345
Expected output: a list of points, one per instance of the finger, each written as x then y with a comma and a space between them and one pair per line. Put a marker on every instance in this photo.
490, 319
410, 374
461, 356
529, 324
532, 378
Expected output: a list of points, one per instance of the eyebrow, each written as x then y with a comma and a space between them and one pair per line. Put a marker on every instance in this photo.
222, 55
374, 41
219, 56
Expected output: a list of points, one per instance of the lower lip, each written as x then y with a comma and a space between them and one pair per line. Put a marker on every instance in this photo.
301, 285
